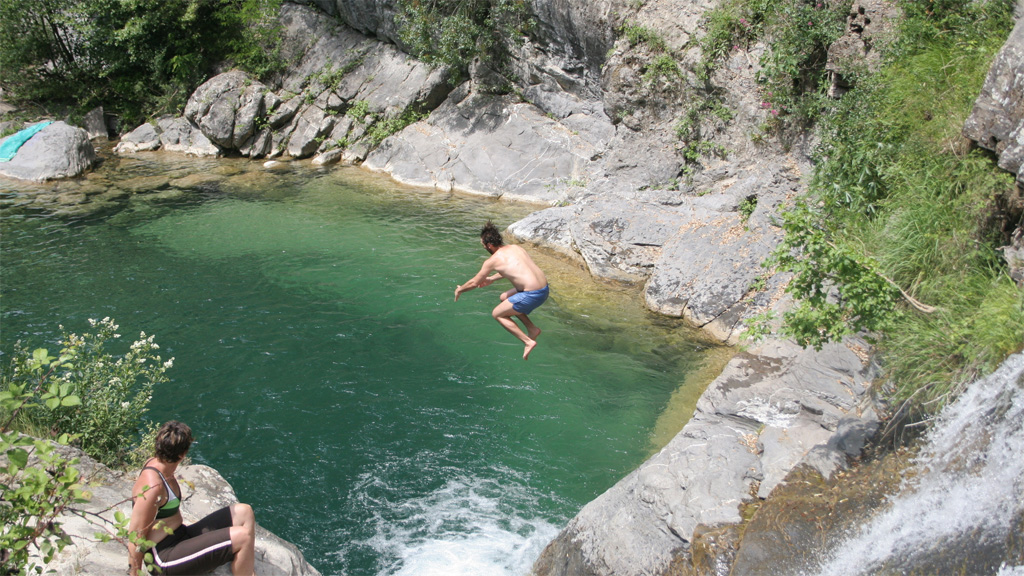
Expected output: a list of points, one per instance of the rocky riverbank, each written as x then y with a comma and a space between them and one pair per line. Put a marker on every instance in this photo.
205, 491
586, 135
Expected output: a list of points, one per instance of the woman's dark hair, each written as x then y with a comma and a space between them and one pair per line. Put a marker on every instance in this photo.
172, 441
491, 235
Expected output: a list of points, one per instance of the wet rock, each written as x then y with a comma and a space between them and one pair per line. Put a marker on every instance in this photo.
329, 157
144, 184
198, 181
95, 123
182, 136
57, 151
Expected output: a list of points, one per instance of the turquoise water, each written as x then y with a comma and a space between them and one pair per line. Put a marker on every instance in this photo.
330, 377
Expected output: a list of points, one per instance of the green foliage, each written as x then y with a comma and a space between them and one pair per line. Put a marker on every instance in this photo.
453, 32
797, 34
730, 25
39, 483
87, 391
637, 35
898, 200
663, 67
838, 291
747, 207
359, 110
381, 129
135, 57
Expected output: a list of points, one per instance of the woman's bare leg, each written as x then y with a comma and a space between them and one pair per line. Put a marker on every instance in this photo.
243, 540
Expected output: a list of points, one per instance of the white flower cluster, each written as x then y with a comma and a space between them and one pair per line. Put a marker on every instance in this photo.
145, 341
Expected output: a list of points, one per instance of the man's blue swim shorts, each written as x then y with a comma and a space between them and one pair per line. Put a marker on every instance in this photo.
526, 302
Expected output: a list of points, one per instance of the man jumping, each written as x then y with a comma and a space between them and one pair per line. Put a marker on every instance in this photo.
530, 285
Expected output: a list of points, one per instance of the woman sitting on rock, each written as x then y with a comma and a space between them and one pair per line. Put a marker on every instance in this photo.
227, 535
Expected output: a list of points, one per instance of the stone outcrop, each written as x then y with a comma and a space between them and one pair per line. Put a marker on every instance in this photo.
205, 492
493, 146
869, 26
997, 121
57, 151
774, 407
342, 87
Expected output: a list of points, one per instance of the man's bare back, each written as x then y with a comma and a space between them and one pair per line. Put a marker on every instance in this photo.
516, 266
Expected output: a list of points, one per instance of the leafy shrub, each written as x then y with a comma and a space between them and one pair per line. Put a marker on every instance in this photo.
388, 126
898, 201
662, 67
136, 58
359, 110
111, 393
637, 34
41, 391
453, 32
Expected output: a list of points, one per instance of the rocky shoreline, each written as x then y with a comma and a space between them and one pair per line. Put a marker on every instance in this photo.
585, 135
205, 491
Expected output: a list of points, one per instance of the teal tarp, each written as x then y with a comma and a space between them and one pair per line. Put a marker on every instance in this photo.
11, 145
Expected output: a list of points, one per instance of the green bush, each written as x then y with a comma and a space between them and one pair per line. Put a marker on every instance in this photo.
112, 392
136, 58
898, 200
83, 388
636, 34
453, 32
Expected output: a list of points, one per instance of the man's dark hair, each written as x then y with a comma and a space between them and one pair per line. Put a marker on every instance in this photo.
491, 235
172, 441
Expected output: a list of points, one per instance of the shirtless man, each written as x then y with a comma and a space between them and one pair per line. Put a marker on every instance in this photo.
530, 285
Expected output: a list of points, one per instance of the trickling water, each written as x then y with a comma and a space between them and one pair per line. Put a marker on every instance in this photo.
964, 510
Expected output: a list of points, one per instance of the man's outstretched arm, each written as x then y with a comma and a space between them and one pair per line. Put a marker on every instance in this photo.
480, 280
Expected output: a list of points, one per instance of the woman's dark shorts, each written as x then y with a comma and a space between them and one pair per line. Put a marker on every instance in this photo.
197, 548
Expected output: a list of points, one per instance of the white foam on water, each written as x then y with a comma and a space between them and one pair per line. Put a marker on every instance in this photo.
465, 528
970, 484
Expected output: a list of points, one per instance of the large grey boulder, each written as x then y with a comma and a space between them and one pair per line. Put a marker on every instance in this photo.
226, 108
492, 146
57, 151
773, 408
997, 120
698, 249
205, 491
95, 123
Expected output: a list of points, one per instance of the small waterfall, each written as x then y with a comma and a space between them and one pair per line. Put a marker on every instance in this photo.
962, 512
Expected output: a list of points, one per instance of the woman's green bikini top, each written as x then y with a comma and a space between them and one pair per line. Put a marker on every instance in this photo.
170, 508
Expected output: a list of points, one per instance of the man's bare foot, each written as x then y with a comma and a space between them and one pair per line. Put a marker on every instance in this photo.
533, 333
529, 348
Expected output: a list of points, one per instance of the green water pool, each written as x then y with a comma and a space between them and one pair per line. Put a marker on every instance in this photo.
328, 374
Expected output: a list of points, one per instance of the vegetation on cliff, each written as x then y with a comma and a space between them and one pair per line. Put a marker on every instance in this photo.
900, 229
454, 32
